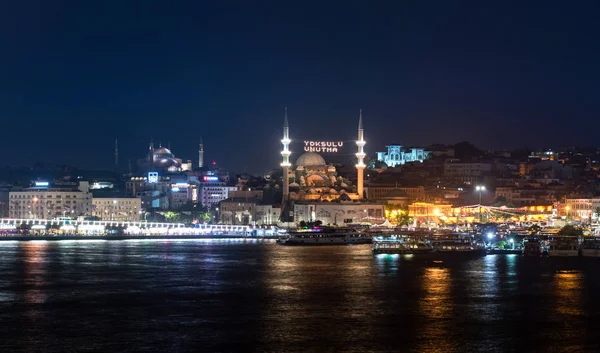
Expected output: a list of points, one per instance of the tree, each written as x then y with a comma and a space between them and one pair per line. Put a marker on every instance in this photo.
398, 215
172, 217
502, 244
570, 231
534, 229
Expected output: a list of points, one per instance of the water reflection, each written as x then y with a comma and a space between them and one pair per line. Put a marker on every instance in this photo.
436, 309
568, 292
35, 273
228, 296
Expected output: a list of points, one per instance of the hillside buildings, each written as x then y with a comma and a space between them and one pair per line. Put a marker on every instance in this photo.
399, 155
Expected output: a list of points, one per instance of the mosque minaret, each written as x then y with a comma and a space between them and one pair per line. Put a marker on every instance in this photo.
201, 154
285, 154
116, 155
360, 156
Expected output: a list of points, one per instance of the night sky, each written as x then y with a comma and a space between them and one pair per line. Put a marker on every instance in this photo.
74, 76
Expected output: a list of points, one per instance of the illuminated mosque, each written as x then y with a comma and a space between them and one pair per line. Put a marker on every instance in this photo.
311, 178
161, 159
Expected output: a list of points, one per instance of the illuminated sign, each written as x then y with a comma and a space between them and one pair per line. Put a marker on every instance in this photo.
322, 146
211, 178
153, 177
42, 183
175, 189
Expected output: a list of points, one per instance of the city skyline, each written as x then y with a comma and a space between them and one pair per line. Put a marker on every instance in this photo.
423, 74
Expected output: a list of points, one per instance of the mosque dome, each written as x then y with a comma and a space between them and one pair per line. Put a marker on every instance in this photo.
161, 151
164, 158
310, 159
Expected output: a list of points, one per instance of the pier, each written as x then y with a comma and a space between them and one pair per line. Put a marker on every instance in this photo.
11, 228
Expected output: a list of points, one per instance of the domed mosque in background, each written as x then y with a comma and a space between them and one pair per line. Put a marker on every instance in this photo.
163, 158
160, 159
313, 179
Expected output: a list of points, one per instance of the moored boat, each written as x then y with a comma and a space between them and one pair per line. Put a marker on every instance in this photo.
397, 244
325, 236
563, 247
456, 243
532, 247
590, 247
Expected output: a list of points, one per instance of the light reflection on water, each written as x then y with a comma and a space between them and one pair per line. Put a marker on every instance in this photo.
568, 292
207, 295
435, 309
35, 273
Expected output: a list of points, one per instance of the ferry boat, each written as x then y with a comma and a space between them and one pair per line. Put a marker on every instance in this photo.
398, 244
325, 236
532, 247
456, 243
590, 247
563, 247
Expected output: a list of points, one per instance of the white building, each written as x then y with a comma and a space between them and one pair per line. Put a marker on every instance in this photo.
398, 155
117, 209
237, 211
339, 213
583, 209
210, 193
266, 214
45, 201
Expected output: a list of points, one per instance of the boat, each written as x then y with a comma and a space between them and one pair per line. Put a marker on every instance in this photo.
398, 244
590, 247
456, 243
532, 247
325, 236
563, 247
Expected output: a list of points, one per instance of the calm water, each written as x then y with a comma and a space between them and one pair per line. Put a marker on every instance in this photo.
180, 296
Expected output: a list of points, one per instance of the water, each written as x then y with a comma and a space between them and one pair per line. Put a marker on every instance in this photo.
232, 296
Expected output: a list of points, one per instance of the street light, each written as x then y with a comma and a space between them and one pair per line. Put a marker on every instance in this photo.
480, 189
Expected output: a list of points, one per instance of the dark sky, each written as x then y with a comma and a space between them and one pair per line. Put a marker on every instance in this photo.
73, 76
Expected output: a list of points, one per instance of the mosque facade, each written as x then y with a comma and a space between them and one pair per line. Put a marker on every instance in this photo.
311, 178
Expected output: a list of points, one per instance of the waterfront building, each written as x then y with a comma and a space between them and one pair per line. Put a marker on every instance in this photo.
399, 155
339, 212
47, 200
266, 214
427, 213
120, 209
582, 209
211, 191
237, 211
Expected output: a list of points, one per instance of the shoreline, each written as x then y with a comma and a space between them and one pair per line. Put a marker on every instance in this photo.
127, 237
